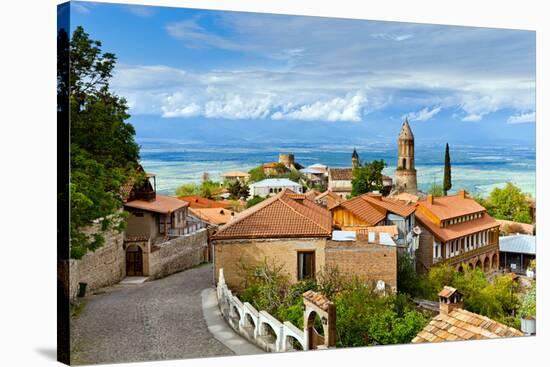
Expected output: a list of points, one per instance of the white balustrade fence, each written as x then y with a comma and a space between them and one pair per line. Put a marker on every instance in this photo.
259, 327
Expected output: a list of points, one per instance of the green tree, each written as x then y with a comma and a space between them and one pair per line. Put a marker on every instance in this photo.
509, 203
447, 184
256, 174
368, 178
237, 189
188, 189
103, 153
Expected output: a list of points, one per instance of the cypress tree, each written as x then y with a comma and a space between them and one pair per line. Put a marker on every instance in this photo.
447, 172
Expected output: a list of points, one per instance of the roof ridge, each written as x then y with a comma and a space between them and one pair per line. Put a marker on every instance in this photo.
298, 212
252, 210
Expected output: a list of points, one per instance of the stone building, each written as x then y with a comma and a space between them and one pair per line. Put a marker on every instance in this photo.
405, 174
455, 323
458, 231
292, 231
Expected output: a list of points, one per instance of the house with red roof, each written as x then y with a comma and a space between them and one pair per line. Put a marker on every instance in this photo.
293, 232
458, 231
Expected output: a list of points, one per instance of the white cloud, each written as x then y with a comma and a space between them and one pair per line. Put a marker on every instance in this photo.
141, 11
522, 118
472, 117
424, 114
348, 108
393, 37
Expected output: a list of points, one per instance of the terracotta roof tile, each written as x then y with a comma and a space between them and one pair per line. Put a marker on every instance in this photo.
162, 204
447, 291
463, 325
332, 199
202, 202
318, 299
213, 215
455, 231
446, 207
364, 210
280, 216
392, 205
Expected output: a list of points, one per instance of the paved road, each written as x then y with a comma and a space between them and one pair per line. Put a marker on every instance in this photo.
157, 320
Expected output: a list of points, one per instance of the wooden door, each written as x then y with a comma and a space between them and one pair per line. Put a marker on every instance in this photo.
134, 261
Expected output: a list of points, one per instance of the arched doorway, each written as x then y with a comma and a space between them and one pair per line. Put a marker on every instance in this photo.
495, 261
134, 261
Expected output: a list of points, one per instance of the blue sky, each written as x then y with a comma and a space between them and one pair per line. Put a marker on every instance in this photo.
199, 74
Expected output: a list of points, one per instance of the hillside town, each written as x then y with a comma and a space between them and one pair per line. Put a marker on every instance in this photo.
281, 218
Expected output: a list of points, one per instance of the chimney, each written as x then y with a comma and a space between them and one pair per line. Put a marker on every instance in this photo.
430, 199
449, 300
462, 193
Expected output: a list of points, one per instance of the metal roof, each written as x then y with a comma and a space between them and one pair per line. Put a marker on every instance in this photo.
276, 182
520, 243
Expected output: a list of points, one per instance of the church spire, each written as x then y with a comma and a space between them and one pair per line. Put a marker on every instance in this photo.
406, 132
354, 159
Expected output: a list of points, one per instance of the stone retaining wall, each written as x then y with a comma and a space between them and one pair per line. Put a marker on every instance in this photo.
103, 267
179, 254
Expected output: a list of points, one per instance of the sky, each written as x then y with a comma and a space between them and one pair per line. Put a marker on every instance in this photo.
202, 75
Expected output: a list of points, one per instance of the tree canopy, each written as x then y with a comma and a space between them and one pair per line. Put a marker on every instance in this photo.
103, 153
508, 203
367, 178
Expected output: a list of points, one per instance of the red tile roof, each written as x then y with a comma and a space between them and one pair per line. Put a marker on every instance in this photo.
447, 207
392, 205
162, 204
460, 324
331, 198
202, 202
362, 209
213, 215
455, 231
286, 215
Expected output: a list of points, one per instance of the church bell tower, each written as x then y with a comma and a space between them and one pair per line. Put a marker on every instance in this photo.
405, 174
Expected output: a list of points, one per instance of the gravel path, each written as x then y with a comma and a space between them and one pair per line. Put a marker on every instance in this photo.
156, 320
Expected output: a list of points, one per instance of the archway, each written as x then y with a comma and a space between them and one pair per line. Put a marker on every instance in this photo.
487, 264
292, 344
495, 261
478, 264
315, 330
470, 266
249, 325
460, 269
134, 261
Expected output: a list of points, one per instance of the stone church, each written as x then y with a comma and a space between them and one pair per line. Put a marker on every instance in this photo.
405, 174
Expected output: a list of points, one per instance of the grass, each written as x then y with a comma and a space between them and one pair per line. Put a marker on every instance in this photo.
76, 308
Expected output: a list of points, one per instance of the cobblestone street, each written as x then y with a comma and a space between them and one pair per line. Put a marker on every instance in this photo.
157, 320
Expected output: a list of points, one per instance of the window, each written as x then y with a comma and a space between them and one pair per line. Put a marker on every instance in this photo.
306, 265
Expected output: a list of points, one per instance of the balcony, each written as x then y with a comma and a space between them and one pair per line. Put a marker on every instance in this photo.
468, 254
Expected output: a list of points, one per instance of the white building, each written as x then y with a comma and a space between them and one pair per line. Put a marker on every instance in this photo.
272, 186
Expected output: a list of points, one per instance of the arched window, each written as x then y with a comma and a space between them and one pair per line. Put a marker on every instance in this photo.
404, 163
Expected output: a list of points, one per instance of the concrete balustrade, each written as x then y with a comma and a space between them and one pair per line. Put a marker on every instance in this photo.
259, 327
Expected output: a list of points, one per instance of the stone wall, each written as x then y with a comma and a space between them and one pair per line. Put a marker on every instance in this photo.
104, 267
231, 254
178, 254
368, 261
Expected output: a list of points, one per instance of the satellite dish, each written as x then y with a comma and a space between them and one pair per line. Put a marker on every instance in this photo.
380, 285
417, 230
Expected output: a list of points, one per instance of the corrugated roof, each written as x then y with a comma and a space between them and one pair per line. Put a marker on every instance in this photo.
520, 243
460, 324
282, 216
275, 182
162, 204
457, 230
